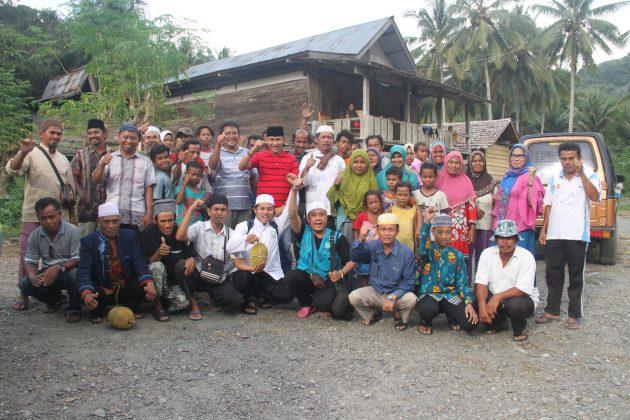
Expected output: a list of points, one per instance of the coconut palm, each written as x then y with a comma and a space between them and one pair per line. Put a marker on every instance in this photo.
576, 33
594, 111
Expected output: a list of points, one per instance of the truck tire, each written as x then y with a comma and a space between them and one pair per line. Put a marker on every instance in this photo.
608, 251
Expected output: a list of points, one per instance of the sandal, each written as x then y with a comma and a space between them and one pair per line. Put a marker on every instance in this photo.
195, 316
96, 319
250, 308
264, 303
73, 318
138, 315
454, 326
399, 325
161, 315
375, 318
572, 325
522, 337
546, 319
20, 305
425, 329
52, 308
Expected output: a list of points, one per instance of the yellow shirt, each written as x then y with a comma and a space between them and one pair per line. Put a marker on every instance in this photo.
405, 223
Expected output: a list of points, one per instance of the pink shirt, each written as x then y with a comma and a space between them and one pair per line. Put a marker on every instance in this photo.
519, 208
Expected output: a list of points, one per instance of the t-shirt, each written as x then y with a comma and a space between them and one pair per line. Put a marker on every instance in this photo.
363, 220
232, 182
164, 188
436, 200
190, 197
151, 239
272, 174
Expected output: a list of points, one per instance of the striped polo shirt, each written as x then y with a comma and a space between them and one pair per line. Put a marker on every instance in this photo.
272, 174
230, 181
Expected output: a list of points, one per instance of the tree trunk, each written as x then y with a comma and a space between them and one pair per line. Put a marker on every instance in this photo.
518, 116
542, 122
503, 110
487, 75
572, 95
443, 116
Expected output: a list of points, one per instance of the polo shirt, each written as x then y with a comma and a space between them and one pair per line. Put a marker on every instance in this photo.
318, 181
63, 248
569, 218
232, 182
519, 272
272, 174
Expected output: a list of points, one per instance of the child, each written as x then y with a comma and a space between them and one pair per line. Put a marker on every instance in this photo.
407, 214
421, 150
188, 192
373, 203
164, 188
429, 196
393, 178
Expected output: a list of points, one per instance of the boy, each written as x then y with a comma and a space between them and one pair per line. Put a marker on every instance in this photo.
389, 197
164, 189
188, 192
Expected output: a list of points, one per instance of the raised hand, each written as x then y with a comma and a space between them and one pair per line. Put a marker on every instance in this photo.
338, 179
307, 111
532, 172
220, 140
310, 162
106, 159
579, 166
164, 249
27, 145
429, 212
186, 180
258, 146
363, 233
198, 204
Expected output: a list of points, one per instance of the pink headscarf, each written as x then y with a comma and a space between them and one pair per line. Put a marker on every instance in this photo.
458, 188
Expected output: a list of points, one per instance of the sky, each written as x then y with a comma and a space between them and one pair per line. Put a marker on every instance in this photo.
250, 25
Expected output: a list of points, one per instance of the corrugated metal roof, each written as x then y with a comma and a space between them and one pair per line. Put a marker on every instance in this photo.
65, 85
483, 134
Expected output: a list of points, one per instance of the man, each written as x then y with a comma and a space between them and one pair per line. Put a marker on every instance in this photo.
56, 244
111, 268
150, 138
129, 179
318, 181
504, 283
392, 275
204, 134
182, 136
566, 232
376, 141
343, 142
229, 180
169, 260
190, 151
268, 277
301, 142
207, 239
40, 181
91, 194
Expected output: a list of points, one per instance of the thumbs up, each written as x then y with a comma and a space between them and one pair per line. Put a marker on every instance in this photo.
107, 158
164, 249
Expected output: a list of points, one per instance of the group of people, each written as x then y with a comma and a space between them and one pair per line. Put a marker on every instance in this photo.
337, 226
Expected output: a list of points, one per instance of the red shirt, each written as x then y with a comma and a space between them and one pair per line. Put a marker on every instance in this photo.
272, 174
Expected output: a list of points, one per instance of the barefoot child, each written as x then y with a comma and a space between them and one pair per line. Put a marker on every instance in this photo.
188, 192
407, 216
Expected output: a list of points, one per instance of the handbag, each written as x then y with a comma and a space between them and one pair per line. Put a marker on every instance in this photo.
317, 280
68, 195
212, 267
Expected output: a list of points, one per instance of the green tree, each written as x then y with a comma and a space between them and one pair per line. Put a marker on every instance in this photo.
595, 112
576, 33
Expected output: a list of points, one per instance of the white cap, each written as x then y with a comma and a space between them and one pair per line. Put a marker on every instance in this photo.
108, 209
265, 198
152, 129
164, 133
318, 205
325, 129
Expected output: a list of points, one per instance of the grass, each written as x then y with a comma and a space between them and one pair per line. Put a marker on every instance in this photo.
623, 207
11, 207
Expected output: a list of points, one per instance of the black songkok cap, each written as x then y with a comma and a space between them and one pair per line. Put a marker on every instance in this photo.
275, 131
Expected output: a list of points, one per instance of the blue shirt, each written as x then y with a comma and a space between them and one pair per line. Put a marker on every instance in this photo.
393, 273
164, 189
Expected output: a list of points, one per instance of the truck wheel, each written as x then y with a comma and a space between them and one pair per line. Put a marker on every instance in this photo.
608, 251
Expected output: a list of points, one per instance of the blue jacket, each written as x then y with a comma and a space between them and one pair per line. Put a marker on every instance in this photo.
93, 269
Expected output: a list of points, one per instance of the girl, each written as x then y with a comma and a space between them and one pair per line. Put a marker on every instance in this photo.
438, 151
374, 155
347, 194
421, 151
397, 157
409, 155
188, 192
369, 217
428, 196
407, 216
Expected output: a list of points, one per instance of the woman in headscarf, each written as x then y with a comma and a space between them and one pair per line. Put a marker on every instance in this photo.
520, 196
374, 156
347, 193
460, 195
409, 155
438, 152
397, 156
485, 187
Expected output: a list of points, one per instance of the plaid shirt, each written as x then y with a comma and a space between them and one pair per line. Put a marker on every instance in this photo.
90, 195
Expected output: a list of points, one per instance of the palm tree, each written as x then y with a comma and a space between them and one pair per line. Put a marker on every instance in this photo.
576, 34
483, 37
437, 27
595, 112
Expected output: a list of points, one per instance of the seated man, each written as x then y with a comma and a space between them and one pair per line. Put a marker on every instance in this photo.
56, 244
444, 283
112, 270
209, 239
268, 278
505, 283
169, 260
392, 275
321, 282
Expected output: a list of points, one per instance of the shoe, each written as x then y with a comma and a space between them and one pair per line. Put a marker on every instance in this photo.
305, 312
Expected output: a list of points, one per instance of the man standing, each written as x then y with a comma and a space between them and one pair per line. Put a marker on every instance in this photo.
111, 268
91, 194
229, 180
301, 142
129, 178
566, 232
150, 138
32, 162
504, 283
182, 136
392, 275
56, 244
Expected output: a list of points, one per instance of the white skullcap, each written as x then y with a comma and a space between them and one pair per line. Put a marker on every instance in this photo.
265, 198
325, 129
108, 209
152, 129
317, 205
387, 219
164, 133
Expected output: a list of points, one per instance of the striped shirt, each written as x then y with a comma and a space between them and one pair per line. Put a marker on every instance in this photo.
230, 181
272, 174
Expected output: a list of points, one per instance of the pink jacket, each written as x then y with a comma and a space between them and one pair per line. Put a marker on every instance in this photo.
519, 208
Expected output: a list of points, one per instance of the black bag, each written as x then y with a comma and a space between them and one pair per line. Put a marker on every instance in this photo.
212, 268
317, 280
68, 196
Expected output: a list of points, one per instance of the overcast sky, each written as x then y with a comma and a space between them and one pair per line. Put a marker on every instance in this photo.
245, 26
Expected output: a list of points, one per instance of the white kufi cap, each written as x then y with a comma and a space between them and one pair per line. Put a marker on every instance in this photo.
108, 209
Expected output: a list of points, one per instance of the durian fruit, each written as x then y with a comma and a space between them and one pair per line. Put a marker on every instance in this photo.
258, 254
121, 317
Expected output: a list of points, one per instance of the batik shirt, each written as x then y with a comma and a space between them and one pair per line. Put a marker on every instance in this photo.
91, 195
442, 271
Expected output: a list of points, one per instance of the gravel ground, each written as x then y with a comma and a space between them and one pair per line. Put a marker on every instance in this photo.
274, 365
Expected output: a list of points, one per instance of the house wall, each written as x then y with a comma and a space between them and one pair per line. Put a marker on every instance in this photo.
497, 157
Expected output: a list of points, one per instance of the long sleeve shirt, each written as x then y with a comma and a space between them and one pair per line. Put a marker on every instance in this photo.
393, 273
443, 271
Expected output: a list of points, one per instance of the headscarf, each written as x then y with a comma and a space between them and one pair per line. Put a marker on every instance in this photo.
483, 183
509, 179
351, 191
376, 169
458, 188
432, 148
407, 175
405, 147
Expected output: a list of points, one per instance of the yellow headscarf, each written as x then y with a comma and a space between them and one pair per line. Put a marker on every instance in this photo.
351, 192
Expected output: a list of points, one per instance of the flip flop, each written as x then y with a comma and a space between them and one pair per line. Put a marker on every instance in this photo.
250, 308
427, 329
399, 325
542, 320
375, 318
572, 325
96, 319
195, 316
73, 318
20, 305
161, 316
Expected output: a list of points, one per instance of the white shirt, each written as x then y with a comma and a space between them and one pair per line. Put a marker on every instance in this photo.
318, 181
569, 218
266, 234
519, 272
206, 242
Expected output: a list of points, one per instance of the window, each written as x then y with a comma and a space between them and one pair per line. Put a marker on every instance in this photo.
544, 156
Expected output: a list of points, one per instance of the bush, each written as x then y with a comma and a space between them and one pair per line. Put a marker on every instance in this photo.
11, 207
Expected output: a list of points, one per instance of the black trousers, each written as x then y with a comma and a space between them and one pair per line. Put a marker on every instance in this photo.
277, 291
131, 295
429, 308
518, 309
51, 294
333, 299
230, 295
558, 254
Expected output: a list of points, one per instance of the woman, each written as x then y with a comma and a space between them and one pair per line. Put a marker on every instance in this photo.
397, 160
374, 156
520, 196
485, 187
347, 194
460, 195
438, 152
409, 155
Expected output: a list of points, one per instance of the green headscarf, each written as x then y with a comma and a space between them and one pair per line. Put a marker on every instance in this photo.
350, 193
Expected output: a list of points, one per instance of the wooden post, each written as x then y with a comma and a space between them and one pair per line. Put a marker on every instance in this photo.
467, 124
407, 103
366, 94
438, 106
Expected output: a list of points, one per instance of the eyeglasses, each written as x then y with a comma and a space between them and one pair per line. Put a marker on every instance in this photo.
518, 156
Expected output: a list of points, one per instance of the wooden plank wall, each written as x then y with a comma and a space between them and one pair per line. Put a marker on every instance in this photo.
497, 160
